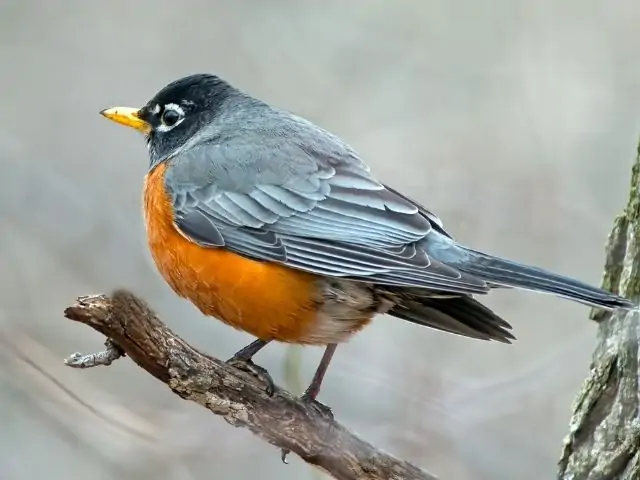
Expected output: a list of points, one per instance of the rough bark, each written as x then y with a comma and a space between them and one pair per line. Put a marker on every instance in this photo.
604, 433
132, 329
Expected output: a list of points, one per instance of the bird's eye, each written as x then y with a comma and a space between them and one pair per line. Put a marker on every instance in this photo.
170, 117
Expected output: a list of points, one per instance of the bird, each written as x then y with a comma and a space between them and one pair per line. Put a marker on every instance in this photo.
278, 228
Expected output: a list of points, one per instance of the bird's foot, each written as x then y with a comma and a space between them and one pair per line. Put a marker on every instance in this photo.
261, 373
308, 398
320, 407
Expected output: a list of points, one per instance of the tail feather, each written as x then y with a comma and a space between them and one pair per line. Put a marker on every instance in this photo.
458, 315
463, 315
507, 273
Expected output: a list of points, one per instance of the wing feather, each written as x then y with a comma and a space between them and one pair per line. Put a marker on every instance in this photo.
328, 215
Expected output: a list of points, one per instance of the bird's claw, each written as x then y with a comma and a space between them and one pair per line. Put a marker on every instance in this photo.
257, 371
323, 409
283, 455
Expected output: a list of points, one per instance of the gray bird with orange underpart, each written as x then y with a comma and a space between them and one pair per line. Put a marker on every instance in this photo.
278, 228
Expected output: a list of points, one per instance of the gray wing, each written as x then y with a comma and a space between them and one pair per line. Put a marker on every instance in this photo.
309, 204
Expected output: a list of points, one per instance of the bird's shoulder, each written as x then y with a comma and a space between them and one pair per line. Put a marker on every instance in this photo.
254, 145
259, 166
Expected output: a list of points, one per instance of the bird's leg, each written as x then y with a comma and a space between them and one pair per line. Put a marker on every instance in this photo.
311, 393
243, 360
250, 350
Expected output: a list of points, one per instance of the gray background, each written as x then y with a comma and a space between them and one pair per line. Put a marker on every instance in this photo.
516, 121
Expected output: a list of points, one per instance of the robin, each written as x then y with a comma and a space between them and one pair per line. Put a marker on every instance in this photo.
278, 228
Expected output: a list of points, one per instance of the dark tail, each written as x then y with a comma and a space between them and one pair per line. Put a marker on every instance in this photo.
459, 315
506, 273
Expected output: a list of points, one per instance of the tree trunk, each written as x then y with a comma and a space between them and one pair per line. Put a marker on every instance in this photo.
604, 433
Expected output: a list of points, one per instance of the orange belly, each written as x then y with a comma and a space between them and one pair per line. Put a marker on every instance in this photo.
267, 300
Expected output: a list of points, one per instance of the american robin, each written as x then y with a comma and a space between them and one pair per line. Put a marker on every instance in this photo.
278, 228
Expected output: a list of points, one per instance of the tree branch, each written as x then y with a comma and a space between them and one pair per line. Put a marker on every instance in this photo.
604, 433
132, 329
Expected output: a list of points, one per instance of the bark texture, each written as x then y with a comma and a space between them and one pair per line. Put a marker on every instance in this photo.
604, 433
133, 330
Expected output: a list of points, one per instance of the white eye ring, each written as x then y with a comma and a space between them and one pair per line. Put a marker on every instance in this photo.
170, 107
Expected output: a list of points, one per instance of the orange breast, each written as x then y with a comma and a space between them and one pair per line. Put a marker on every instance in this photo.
264, 299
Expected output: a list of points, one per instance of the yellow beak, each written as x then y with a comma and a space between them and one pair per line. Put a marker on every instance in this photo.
128, 117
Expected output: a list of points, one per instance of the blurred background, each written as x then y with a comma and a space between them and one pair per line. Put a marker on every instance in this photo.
515, 121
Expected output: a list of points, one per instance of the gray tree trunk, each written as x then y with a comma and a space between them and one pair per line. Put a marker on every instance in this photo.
604, 433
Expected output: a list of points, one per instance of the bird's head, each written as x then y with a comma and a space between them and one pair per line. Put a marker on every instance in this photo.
175, 114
